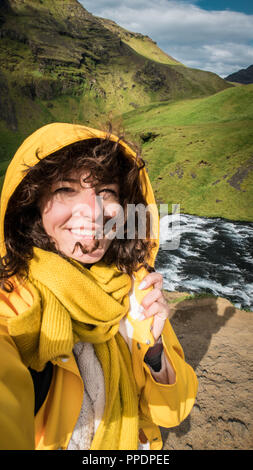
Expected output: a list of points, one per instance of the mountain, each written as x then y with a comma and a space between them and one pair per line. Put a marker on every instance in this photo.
244, 76
143, 45
58, 62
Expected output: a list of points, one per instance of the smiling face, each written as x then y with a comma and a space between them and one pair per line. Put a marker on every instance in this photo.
59, 216
73, 215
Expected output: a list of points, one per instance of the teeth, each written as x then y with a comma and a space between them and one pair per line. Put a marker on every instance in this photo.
79, 231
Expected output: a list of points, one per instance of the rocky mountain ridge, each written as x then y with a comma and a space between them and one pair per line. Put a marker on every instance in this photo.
58, 61
244, 76
142, 44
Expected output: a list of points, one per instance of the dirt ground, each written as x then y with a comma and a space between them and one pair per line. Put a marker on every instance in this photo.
217, 340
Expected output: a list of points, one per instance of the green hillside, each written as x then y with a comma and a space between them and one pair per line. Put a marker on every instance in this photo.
200, 152
143, 45
70, 66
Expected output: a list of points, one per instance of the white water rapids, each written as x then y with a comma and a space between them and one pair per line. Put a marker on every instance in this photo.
214, 255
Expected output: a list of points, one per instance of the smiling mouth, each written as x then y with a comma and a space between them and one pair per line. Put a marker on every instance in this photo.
81, 233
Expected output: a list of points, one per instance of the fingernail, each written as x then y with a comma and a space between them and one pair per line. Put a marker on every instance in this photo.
140, 311
142, 285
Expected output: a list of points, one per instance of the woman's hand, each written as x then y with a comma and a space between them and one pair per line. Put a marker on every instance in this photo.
154, 303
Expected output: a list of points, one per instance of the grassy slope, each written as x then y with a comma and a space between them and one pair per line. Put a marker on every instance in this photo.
202, 156
106, 91
143, 45
72, 69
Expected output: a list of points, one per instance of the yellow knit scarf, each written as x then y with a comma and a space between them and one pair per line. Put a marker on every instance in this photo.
72, 303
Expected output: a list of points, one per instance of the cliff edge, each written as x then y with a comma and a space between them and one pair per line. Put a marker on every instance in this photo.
217, 341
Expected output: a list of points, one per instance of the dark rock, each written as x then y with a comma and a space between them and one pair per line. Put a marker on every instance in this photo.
203, 163
242, 173
7, 106
242, 76
148, 136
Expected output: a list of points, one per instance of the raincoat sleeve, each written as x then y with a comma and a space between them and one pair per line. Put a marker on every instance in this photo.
164, 404
16, 397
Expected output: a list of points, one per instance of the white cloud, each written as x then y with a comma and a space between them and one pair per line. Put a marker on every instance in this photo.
220, 41
222, 59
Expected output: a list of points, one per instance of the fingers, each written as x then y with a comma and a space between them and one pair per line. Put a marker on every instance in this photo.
157, 327
155, 279
158, 309
152, 296
154, 304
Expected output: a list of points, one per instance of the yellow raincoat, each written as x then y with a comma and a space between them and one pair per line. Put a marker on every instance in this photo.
52, 427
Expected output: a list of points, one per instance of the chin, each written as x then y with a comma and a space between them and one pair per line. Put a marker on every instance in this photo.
89, 258
90, 253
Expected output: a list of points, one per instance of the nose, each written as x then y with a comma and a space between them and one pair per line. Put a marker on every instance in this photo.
89, 207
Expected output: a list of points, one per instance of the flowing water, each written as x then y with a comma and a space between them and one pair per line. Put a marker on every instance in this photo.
213, 255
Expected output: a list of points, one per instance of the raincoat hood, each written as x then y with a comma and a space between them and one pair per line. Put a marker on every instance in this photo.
47, 140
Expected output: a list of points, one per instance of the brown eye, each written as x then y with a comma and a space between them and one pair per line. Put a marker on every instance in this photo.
108, 192
63, 190
64, 193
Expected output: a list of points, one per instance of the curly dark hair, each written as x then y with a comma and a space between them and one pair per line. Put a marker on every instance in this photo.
23, 228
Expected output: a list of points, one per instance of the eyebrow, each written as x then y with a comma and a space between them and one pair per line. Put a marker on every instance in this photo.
71, 180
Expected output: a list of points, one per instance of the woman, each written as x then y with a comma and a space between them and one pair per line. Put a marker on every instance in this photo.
89, 359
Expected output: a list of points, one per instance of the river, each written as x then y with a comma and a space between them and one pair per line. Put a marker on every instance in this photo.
214, 255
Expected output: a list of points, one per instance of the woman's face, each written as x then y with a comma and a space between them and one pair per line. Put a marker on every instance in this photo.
74, 216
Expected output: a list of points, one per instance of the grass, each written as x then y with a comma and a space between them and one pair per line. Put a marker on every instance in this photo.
150, 50
201, 155
73, 70
229, 105
176, 298
143, 45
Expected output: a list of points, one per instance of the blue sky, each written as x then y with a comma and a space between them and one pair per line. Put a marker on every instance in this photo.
209, 35
244, 6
